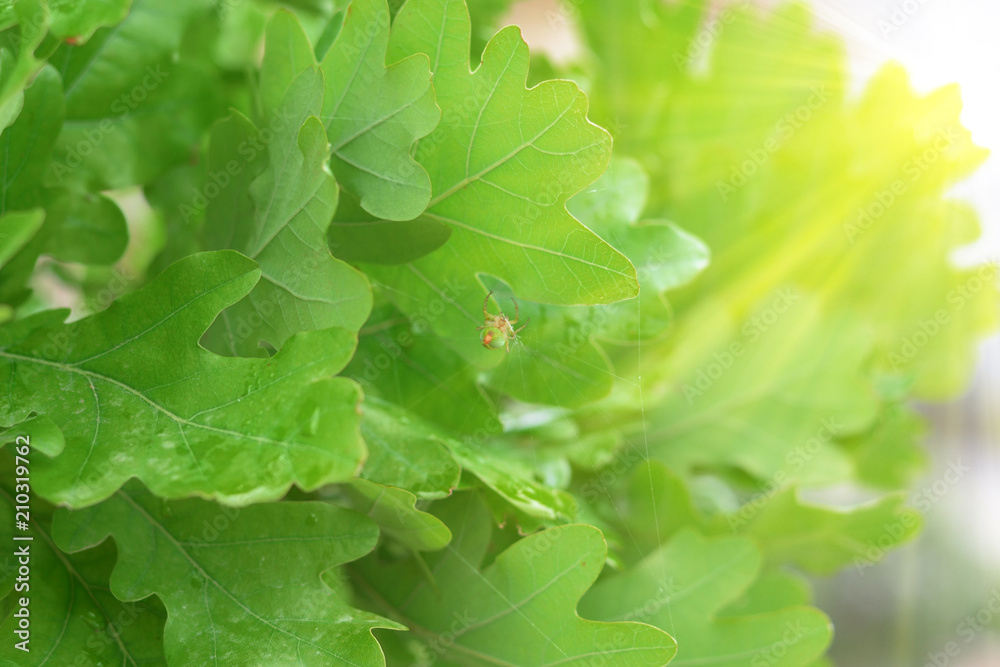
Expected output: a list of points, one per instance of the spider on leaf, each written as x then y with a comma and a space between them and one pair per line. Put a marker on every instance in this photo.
497, 330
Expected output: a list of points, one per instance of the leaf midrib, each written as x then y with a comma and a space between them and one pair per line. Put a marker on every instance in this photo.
499, 163
208, 578
427, 633
527, 246
176, 311
176, 418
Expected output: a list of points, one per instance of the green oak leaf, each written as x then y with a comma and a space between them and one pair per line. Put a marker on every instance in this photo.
402, 361
137, 103
788, 530
42, 433
170, 197
278, 217
773, 589
503, 162
894, 202
28, 143
238, 155
767, 395
374, 114
240, 585
412, 453
555, 359
515, 484
666, 257
681, 588
358, 236
78, 227
91, 227
287, 54
484, 15
652, 89
20, 64
75, 19
331, 29
553, 436
468, 615
183, 420
242, 25
395, 512
618, 198
237, 37
73, 612
16, 229
78, 19
823, 541
890, 455
403, 453
561, 359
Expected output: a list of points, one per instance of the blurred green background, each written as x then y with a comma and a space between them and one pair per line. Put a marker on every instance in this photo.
928, 603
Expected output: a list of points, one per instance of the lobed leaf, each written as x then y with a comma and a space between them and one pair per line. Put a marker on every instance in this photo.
78, 227
503, 162
395, 511
468, 615
374, 114
275, 207
240, 585
136, 104
681, 588
184, 420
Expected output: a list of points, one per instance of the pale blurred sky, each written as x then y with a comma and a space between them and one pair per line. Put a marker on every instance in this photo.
939, 42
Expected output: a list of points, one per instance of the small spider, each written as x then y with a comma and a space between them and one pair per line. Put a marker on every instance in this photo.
498, 331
